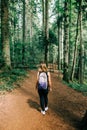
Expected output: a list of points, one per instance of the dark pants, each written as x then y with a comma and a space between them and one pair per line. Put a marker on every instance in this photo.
43, 94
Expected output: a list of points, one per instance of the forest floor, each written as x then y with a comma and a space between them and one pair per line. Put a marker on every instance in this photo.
20, 109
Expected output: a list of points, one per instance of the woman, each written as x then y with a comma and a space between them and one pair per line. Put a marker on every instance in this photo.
43, 88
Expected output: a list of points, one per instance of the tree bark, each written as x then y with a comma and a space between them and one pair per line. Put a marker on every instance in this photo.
46, 32
66, 43
23, 44
81, 44
58, 26
75, 50
5, 33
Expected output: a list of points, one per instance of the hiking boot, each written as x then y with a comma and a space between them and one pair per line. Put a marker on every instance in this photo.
46, 108
43, 112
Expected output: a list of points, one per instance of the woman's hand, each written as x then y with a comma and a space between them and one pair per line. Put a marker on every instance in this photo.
50, 89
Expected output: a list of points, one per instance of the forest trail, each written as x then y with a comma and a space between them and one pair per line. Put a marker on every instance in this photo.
20, 110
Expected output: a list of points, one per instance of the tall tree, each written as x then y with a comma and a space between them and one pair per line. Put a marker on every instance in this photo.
46, 30
78, 38
66, 41
43, 15
5, 33
60, 34
58, 26
45, 5
81, 43
75, 49
23, 45
23, 21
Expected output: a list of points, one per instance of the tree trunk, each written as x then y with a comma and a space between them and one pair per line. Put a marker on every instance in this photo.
59, 49
5, 33
81, 44
12, 32
66, 43
62, 34
43, 17
31, 22
71, 47
23, 44
46, 31
75, 50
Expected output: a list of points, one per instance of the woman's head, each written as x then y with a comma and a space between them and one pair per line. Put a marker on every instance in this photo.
43, 67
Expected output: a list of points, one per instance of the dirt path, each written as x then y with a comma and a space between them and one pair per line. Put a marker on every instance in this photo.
20, 110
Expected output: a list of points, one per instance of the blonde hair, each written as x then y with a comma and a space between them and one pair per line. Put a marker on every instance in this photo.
43, 67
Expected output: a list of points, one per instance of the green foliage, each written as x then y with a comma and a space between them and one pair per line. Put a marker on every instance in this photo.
32, 52
16, 57
52, 37
8, 78
78, 87
59, 6
74, 85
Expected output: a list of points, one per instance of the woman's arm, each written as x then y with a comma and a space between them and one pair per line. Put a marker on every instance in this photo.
49, 81
37, 81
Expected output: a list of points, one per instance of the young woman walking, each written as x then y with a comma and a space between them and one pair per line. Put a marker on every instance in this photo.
43, 86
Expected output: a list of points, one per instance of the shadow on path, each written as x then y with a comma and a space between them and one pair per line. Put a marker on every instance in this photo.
33, 104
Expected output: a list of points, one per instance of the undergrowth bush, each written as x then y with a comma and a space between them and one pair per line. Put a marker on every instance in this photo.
10, 77
78, 87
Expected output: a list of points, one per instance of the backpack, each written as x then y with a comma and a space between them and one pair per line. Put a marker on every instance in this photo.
43, 80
